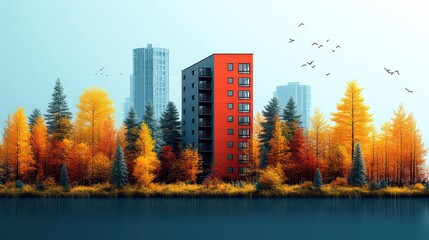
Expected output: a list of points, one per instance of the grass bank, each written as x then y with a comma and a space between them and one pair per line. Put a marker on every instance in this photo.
219, 190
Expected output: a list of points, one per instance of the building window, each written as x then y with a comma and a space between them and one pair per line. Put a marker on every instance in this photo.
242, 146
184, 88
184, 111
184, 77
244, 82
244, 133
244, 120
193, 97
230, 105
230, 67
230, 80
193, 85
193, 72
184, 99
230, 169
244, 68
230, 93
193, 109
193, 132
243, 171
193, 120
230, 118
230, 131
244, 94
230, 144
244, 107
184, 122
243, 158
230, 157
184, 133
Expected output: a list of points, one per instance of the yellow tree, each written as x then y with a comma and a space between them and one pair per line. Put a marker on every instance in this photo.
279, 146
147, 164
21, 158
39, 145
108, 138
94, 107
318, 133
352, 118
6, 149
256, 142
415, 150
385, 139
399, 134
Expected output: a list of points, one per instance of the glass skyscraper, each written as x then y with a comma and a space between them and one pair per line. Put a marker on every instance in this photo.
301, 95
150, 79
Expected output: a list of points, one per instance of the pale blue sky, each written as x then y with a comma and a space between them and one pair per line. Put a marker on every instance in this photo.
43, 40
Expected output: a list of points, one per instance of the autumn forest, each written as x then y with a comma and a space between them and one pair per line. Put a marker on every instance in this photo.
343, 149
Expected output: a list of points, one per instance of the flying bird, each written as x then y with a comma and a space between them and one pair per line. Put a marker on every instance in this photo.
101, 69
301, 24
120, 74
333, 50
309, 63
391, 73
328, 74
397, 72
338, 46
327, 40
387, 70
315, 43
107, 75
291, 40
320, 46
303, 65
408, 90
101, 73
313, 66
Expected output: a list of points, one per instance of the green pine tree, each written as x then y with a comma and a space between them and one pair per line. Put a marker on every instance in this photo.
33, 117
132, 134
64, 177
152, 123
291, 117
263, 161
270, 113
357, 172
58, 118
119, 172
317, 182
171, 127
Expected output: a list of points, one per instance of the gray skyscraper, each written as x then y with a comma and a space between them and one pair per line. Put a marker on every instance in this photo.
301, 95
150, 79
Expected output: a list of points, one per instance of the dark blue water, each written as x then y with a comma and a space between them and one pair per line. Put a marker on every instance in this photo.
261, 219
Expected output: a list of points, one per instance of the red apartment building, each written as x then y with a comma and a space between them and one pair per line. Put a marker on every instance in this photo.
217, 112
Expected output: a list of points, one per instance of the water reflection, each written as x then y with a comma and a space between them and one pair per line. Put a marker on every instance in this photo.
215, 218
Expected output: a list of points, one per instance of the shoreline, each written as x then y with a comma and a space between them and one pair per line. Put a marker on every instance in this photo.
221, 191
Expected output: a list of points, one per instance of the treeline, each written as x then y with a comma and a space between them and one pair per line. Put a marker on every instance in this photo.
33, 149
393, 154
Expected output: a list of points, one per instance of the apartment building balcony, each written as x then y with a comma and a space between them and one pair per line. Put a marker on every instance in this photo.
204, 72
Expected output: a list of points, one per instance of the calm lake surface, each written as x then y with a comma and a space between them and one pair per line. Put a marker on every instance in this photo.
203, 218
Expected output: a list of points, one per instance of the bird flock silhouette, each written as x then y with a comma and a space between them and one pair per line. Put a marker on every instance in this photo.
337, 47
317, 46
101, 73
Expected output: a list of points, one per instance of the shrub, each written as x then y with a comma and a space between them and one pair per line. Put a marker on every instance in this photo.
374, 185
49, 182
418, 186
40, 186
427, 185
339, 182
19, 184
270, 178
307, 185
383, 184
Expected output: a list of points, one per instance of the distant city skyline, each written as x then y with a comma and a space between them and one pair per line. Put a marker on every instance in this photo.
45, 40
150, 80
301, 95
